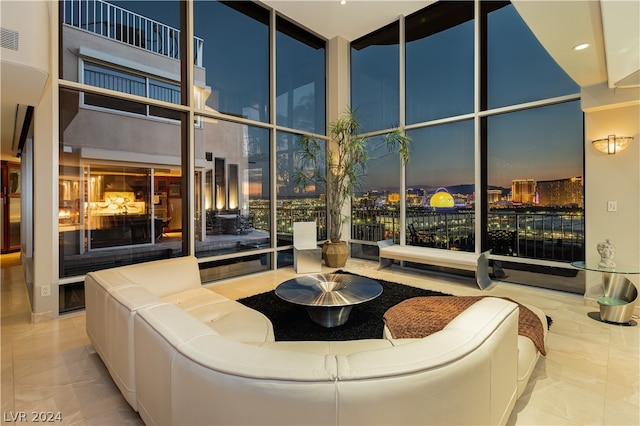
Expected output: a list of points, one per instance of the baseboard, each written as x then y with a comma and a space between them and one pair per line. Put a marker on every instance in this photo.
41, 317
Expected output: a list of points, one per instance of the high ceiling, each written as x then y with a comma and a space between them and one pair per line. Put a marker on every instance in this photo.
355, 18
610, 26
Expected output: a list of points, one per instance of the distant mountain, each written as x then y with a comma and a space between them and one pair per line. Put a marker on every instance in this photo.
465, 188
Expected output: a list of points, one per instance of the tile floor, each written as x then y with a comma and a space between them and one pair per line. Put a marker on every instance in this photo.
590, 376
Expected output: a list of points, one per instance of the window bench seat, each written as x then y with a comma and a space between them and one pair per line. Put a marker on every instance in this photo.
476, 262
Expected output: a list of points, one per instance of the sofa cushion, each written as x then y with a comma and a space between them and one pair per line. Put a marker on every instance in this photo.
343, 347
188, 336
134, 297
194, 298
234, 321
108, 279
164, 277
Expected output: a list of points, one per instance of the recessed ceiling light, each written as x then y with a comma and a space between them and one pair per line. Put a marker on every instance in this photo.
343, 1
581, 46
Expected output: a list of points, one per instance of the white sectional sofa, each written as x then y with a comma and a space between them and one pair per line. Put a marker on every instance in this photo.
183, 354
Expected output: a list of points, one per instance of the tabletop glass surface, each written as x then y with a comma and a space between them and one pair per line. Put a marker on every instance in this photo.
329, 290
618, 269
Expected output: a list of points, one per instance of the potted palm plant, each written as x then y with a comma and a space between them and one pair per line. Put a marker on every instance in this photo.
340, 170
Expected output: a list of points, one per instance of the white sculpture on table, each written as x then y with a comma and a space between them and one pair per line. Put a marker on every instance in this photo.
606, 251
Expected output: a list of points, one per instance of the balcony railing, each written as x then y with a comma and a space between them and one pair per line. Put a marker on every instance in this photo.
540, 235
287, 215
107, 20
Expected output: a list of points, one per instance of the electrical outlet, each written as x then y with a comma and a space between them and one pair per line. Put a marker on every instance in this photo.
45, 290
612, 206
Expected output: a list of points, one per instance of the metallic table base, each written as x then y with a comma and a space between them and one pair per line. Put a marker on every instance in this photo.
329, 316
329, 298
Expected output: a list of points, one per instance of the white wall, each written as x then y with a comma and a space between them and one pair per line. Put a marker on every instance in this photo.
611, 178
42, 269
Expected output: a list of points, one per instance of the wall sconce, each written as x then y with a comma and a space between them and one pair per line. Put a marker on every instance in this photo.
612, 144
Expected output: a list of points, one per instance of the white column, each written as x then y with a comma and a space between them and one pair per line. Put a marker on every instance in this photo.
44, 269
338, 73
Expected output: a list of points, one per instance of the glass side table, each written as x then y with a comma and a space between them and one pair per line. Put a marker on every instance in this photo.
620, 297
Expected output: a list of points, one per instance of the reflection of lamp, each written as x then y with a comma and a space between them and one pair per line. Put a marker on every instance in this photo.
612, 144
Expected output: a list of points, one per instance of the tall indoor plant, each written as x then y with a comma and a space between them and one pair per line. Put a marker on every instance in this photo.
347, 155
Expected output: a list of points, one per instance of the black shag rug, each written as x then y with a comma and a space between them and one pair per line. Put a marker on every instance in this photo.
292, 323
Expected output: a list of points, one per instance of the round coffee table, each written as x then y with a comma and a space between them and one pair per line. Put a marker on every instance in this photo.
329, 298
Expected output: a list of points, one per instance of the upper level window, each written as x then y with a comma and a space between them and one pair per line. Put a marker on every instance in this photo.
518, 68
439, 61
300, 85
235, 65
375, 65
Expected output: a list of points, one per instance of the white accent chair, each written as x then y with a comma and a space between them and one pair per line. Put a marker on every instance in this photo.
307, 256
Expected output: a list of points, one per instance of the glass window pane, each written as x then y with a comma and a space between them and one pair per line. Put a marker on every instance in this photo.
536, 185
441, 188
234, 187
234, 75
300, 79
120, 197
519, 69
296, 204
13, 200
439, 61
215, 270
375, 208
375, 78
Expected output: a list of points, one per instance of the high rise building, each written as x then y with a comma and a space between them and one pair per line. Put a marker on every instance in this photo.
561, 192
523, 191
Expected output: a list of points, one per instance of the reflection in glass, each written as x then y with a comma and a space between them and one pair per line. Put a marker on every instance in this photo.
117, 171
375, 78
14, 221
237, 157
439, 61
234, 187
300, 82
140, 35
295, 204
441, 187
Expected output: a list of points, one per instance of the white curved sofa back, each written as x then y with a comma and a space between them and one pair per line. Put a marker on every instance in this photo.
112, 297
464, 374
160, 277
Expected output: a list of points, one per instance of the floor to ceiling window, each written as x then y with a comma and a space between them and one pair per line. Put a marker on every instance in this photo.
125, 150
497, 165
235, 82
534, 153
300, 106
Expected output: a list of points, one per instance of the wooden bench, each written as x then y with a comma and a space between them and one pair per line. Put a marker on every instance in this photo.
476, 262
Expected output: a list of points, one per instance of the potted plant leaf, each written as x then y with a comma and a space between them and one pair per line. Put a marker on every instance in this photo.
341, 172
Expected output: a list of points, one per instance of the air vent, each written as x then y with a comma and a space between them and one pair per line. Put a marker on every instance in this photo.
9, 39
